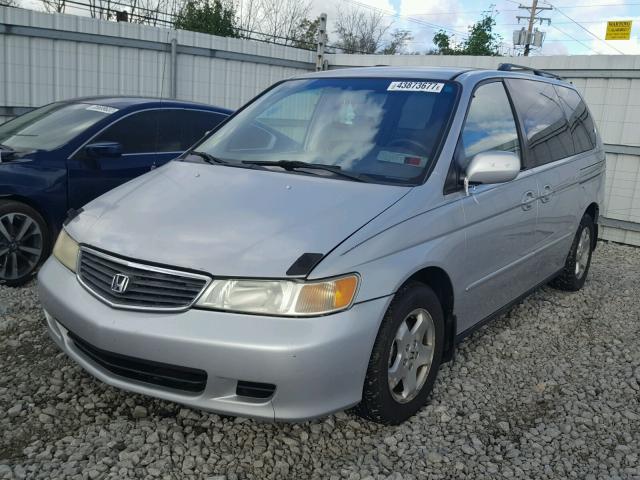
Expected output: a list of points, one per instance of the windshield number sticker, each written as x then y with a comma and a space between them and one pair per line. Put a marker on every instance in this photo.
102, 108
428, 87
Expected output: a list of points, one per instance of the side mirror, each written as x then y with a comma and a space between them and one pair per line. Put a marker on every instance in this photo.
494, 166
103, 149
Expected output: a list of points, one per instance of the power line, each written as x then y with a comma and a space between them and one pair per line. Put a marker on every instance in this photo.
459, 12
592, 5
584, 28
575, 39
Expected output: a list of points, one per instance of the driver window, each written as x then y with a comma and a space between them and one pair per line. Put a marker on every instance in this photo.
489, 125
148, 131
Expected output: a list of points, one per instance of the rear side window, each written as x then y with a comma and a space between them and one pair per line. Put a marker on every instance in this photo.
490, 124
145, 132
545, 125
580, 121
194, 124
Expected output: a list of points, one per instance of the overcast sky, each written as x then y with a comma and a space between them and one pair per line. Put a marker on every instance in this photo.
424, 17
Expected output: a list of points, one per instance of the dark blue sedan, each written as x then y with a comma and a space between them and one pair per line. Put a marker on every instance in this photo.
61, 156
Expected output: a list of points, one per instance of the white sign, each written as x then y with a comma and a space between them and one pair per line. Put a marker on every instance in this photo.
102, 108
429, 87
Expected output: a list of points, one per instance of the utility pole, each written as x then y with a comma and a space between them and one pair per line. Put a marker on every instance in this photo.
534, 10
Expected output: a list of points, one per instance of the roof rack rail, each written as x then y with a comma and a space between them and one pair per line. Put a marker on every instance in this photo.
512, 67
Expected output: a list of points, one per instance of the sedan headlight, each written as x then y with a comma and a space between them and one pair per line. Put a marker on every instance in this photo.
66, 250
281, 297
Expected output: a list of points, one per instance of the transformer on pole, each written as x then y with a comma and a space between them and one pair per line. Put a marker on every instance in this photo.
529, 37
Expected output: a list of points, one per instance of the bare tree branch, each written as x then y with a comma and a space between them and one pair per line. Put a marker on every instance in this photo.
284, 19
360, 31
53, 6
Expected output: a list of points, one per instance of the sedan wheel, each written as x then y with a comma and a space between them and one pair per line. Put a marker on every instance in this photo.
23, 242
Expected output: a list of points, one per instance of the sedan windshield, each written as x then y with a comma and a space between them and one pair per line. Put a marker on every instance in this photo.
51, 126
379, 129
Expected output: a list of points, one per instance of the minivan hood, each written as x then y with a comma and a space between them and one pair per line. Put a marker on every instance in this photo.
229, 221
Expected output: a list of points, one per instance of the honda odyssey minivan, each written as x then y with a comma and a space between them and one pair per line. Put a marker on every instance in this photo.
329, 245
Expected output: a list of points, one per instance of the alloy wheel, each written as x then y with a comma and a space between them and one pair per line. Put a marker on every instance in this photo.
21, 245
411, 355
582, 252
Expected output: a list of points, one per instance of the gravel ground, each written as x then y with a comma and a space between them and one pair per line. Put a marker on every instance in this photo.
549, 390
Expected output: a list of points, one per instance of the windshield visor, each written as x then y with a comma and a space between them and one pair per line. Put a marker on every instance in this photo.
385, 130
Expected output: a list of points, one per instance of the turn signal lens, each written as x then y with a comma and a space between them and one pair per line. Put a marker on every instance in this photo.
345, 291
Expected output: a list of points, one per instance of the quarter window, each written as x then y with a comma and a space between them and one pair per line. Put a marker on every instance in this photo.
489, 126
194, 124
545, 126
580, 122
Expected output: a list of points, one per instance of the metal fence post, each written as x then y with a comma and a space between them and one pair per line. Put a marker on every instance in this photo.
174, 68
322, 42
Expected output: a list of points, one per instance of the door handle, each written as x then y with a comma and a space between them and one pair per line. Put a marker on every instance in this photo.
546, 194
527, 200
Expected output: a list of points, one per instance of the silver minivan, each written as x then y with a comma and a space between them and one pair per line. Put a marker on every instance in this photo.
332, 241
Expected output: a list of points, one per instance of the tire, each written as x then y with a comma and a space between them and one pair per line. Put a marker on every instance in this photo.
25, 242
413, 305
576, 267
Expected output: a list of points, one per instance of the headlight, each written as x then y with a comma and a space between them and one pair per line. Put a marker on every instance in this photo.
281, 297
66, 250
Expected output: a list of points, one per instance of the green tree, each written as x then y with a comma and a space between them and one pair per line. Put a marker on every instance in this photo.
482, 39
443, 43
306, 34
214, 17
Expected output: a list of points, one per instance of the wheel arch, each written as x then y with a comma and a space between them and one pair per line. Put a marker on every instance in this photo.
594, 212
439, 281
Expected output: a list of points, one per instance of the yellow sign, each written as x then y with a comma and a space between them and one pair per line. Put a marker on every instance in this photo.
619, 30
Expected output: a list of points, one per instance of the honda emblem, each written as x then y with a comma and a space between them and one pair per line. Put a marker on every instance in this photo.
119, 283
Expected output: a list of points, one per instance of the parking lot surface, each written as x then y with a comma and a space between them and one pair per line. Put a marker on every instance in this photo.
549, 390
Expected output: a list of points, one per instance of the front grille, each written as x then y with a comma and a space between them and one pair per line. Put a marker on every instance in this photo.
148, 287
172, 376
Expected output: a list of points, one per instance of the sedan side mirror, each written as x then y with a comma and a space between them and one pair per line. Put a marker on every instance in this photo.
494, 166
103, 149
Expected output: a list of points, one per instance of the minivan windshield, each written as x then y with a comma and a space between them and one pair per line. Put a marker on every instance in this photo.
378, 129
51, 126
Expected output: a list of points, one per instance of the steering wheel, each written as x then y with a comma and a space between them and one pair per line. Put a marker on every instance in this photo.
404, 142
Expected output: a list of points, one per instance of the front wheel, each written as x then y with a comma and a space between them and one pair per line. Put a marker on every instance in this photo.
24, 242
406, 357
576, 267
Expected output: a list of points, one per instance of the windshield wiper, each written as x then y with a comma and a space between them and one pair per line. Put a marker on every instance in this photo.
207, 157
291, 165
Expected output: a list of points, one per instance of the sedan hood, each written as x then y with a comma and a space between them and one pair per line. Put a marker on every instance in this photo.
229, 221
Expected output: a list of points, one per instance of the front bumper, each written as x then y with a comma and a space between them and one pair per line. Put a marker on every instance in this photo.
317, 364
